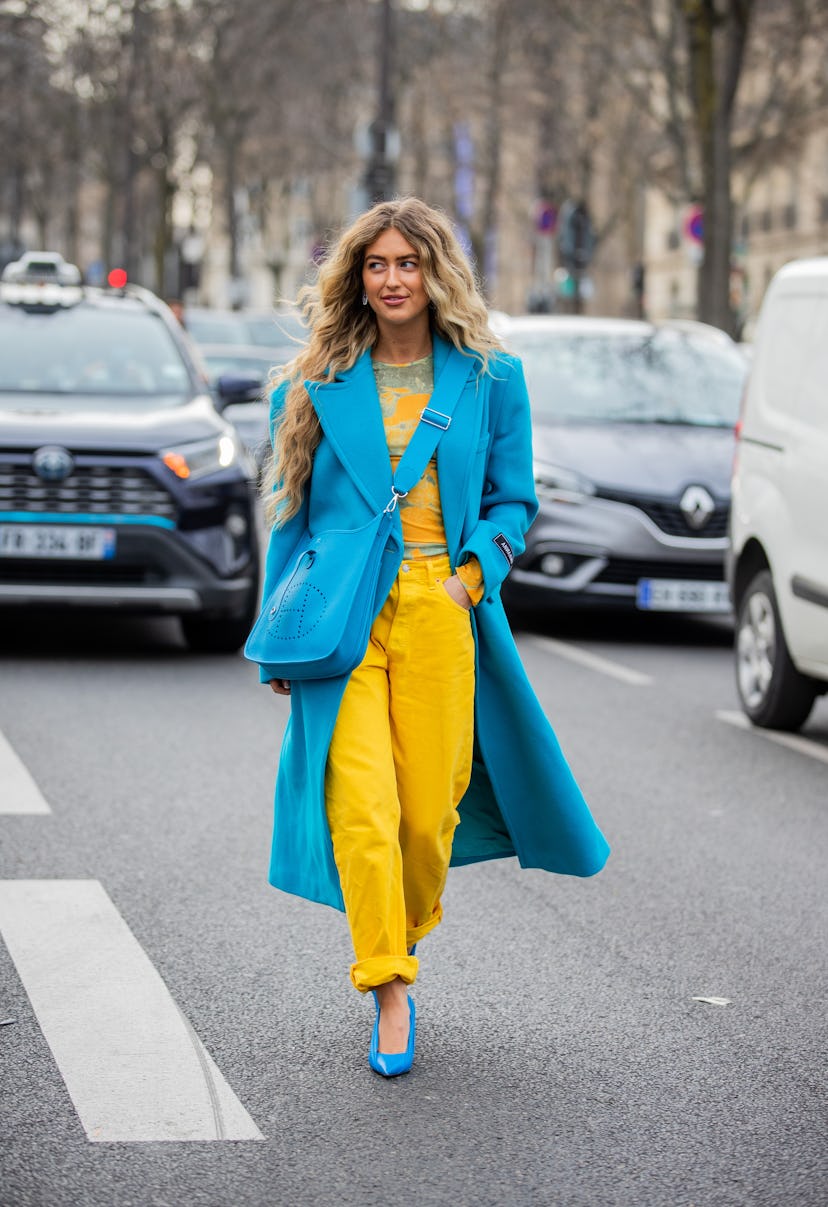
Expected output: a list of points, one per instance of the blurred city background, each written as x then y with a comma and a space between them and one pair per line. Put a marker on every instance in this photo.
657, 158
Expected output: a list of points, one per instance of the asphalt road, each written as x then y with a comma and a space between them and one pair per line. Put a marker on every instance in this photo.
562, 1058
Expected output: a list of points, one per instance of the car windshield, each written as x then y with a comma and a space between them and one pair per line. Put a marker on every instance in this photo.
89, 351
283, 327
208, 328
664, 377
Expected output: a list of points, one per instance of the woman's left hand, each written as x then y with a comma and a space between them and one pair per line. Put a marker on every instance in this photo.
454, 587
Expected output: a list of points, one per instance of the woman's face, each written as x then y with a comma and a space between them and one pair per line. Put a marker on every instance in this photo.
392, 280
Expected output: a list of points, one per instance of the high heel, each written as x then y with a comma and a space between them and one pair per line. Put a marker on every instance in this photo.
391, 1064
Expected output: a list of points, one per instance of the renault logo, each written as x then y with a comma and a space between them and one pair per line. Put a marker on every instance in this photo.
52, 463
697, 506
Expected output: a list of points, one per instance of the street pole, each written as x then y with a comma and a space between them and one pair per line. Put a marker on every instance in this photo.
379, 176
577, 297
576, 244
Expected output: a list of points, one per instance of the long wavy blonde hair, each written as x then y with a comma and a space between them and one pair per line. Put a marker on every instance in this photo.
342, 328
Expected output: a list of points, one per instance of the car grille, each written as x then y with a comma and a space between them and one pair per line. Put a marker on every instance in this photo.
627, 571
79, 574
669, 518
92, 489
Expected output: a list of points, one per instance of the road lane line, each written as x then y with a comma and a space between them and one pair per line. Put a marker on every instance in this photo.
593, 661
18, 791
793, 741
134, 1068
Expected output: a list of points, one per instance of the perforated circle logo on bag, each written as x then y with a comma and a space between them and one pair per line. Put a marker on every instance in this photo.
303, 608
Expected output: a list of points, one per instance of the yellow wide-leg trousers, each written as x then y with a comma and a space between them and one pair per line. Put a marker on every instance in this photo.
398, 766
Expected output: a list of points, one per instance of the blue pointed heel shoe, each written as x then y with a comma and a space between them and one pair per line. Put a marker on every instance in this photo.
391, 1064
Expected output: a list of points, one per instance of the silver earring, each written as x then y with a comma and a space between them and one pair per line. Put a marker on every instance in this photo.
364, 298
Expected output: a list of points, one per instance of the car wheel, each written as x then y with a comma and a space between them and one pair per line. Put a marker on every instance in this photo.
773, 692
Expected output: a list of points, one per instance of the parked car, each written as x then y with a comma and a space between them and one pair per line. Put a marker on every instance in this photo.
42, 267
778, 567
208, 326
283, 327
121, 487
239, 349
242, 371
237, 360
280, 330
633, 441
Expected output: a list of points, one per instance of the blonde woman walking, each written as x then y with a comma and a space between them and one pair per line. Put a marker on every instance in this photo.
434, 750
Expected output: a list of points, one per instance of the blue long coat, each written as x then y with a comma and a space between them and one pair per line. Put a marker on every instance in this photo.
523, 799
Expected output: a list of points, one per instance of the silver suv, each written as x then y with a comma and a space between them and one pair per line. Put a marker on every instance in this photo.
633, 430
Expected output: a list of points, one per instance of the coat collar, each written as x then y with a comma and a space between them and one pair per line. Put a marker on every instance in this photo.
349, 411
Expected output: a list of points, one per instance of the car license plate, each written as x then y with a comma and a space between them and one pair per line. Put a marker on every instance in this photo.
677, 595
75, 541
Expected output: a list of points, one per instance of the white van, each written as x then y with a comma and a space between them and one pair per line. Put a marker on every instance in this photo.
778, 561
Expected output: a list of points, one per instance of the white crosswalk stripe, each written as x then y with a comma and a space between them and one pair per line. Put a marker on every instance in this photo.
18, 791
793, 741
593, 662
133, 1066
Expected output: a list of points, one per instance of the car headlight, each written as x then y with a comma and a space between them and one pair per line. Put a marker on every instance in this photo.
202, 458
556, 484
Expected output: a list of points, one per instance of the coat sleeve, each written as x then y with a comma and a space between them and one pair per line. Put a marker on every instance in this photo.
509, 503
283, 538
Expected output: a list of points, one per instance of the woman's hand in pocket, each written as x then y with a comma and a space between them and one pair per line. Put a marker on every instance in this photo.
454, 587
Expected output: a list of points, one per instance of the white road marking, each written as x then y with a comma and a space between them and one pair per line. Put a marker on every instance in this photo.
134, 1068
593, 661
793, 741
18, 791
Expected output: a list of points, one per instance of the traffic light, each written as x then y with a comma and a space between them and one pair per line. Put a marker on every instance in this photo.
576, 236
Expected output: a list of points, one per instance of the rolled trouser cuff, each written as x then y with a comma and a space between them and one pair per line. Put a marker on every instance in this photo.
413, 934
379, 970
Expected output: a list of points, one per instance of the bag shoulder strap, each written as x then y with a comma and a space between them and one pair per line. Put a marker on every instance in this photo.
434, 420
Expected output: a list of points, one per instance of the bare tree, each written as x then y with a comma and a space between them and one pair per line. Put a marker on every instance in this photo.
458, 107
127, 66
28, 104
717, 37
685, 63
277, 83
499, 103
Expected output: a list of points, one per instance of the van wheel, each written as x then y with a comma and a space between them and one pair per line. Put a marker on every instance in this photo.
773, 692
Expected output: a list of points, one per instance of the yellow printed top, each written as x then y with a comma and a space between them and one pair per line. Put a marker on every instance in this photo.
404, 390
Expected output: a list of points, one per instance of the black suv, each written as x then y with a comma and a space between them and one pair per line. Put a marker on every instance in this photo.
121, 486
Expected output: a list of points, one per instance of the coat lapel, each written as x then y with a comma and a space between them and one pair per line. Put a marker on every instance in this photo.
349, 411
351, 417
